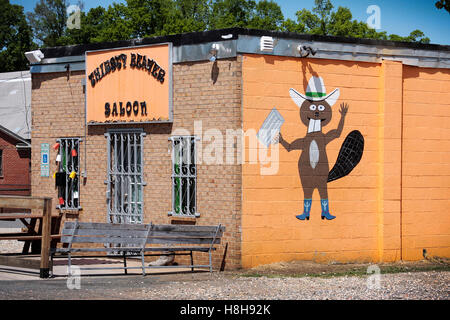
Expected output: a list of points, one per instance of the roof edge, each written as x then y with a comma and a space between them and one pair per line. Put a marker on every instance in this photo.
216, 35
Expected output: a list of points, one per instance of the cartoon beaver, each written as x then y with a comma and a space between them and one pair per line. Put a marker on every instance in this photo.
315, 112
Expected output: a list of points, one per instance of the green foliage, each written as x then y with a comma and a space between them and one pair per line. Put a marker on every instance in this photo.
47, 24
15, 37
443, 4
266, 15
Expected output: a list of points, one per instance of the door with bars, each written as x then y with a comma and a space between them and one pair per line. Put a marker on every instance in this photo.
125, 178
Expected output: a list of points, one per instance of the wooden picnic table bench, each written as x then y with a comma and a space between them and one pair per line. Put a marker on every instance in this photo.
44, 235
31, 236
138, 239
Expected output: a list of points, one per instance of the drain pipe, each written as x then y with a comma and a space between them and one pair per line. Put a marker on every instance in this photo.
84, 172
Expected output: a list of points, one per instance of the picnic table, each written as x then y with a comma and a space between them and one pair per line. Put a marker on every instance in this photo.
48, 226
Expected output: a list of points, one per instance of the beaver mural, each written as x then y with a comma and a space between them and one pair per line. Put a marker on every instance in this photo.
315, 113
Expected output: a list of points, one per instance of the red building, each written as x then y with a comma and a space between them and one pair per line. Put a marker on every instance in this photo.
15, 159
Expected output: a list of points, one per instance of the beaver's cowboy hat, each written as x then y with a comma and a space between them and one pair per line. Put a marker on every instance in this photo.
315, 91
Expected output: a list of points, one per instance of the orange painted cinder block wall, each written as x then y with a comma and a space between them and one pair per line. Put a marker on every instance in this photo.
375, 205
426, 162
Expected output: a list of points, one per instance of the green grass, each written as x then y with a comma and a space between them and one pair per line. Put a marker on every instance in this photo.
355, 272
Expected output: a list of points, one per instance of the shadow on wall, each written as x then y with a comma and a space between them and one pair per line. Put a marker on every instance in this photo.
414, 72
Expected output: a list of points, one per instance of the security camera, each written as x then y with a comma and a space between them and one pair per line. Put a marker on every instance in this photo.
34, 56
305, 51
213, 52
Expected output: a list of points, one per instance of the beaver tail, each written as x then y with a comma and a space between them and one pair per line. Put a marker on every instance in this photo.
349, 156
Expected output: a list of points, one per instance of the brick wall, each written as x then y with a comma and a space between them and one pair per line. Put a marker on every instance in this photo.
15, 178
58, 111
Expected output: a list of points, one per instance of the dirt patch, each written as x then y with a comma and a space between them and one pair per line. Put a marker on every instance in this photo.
314, 269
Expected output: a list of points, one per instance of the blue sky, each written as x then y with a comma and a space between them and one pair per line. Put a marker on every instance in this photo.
399, 16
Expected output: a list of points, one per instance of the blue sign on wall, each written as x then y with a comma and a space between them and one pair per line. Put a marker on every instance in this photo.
45, 166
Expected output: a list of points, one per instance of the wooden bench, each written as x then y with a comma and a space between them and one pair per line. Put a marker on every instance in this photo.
44, 234
139, 239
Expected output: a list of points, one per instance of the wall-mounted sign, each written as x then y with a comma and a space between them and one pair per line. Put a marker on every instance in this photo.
45, 165
129, 85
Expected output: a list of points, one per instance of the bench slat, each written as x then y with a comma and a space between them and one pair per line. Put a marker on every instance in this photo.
181, 240
124, 240
200, 234
104, 232
147, 249
184, 228
25, 238
105, 226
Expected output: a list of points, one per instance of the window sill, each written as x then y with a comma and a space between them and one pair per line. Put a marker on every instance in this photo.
176, 215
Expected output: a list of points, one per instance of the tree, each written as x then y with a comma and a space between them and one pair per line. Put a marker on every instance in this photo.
147, 18
445, 4
266, 15
322, 20
91, 27
323, 10
231, 13
187, 16
15, 37
49, 22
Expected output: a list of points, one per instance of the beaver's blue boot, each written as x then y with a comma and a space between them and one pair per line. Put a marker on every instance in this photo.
326, 210
306, 210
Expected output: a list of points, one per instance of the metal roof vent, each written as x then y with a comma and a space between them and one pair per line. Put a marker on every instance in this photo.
266, 44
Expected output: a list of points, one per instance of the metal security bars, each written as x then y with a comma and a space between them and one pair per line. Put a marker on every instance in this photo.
68, 175
125, 179
184, 176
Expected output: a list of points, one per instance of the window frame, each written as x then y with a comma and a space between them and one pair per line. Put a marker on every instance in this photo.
188, 176
60, 168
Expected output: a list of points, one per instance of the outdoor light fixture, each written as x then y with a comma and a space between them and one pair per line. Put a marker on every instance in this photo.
266, 44
34, 56
213, 52
305, 51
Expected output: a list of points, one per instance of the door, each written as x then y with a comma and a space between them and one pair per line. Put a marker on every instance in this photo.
125, 178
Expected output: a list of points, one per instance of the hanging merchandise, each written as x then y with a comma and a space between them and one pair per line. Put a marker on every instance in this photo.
63, 151
60, 178
58, 158
74, 152
61, 200
54, 175
72, 175
56, 146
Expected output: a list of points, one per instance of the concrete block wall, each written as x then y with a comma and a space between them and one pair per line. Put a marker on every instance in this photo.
426, 165
399, 110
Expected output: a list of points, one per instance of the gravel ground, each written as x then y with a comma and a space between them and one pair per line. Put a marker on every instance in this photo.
10, 246
272, 282
426, 285
433, 285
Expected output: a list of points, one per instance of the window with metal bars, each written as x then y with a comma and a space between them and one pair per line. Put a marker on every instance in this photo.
184, 176
68, 173
125, 178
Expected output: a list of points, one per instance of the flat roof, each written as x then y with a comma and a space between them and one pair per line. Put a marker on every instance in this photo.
216, 35
196, 46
